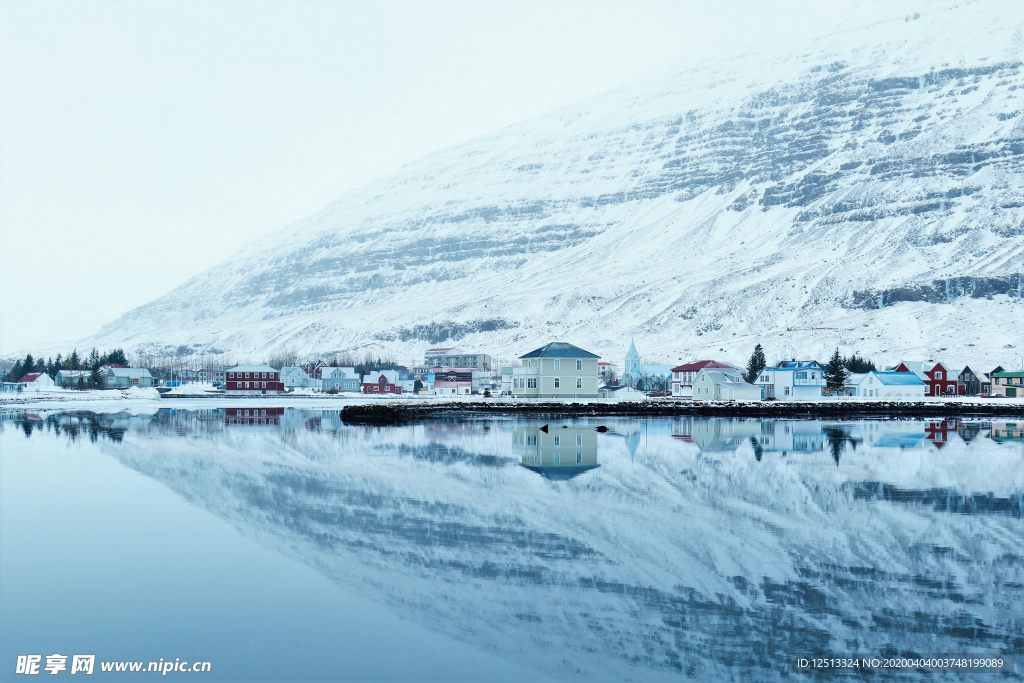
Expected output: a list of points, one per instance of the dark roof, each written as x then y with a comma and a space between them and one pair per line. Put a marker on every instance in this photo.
30, 377
700, 365
559, 350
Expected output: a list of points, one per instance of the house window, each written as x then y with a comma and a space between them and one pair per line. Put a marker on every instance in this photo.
579, 382
531, 383
579, 439
558, 440
579, 366
247, 375
558, 382
950, 388
927, 389
579, 458
787, 391
531, 440
558, 364
376, 388
557, 458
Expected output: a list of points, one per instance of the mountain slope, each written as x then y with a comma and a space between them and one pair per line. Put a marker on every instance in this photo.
865, 190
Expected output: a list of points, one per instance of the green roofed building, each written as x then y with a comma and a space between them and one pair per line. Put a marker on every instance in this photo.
557, 370
1009, 384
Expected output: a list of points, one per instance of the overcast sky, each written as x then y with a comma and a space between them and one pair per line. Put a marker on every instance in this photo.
143, 142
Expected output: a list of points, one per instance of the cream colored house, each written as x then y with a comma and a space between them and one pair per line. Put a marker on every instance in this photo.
723, 385
558, 370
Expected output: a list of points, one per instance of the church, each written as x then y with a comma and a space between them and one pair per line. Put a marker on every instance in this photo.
635, 370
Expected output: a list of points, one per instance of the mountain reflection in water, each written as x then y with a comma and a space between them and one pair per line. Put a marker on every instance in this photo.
665, 548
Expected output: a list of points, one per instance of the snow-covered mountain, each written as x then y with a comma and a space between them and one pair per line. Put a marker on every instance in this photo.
864, 190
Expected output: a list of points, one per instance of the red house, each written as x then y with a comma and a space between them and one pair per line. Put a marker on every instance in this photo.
683, 375
387, 383
250, 380
938, 379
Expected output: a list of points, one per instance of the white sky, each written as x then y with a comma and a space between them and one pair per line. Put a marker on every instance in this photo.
144, 142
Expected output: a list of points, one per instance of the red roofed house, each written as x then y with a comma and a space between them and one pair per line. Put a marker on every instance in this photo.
35, 381
938, 379
683, 376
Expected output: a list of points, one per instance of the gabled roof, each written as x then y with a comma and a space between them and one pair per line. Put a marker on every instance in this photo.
30, 377
797, 365
700, 365
132, 373
252, 368
730, 376
919, 368
559, 350
899, 378
1007, 373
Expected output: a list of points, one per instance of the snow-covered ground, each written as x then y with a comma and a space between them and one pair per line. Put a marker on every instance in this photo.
778, 198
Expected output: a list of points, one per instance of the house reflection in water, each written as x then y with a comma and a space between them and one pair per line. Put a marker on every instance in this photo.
560, 453
253, 416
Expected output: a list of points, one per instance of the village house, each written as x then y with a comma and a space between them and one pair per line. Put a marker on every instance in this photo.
1008, 384
971, 381
294, 377
938, 379
340, 379
455, 381
621, 392
123, 378
683, 376
252, 380
450, 357
792, 380
36, 381
557, 370
723, 384
888, 386
71, 378
382, 382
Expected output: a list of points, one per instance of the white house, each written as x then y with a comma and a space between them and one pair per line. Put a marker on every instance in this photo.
886, 386
297, 378
792, 379
36, 381
340, 379
557, 370
683, 375
621, 393
723, 385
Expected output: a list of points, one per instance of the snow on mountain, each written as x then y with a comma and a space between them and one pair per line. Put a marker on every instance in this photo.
665, 556
864, 190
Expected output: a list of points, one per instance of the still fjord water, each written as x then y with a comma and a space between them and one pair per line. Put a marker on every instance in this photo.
286, 545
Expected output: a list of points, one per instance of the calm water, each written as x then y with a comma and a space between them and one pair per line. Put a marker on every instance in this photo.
290, 546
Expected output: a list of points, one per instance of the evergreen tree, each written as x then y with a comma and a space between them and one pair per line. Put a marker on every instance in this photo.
95, 377
16, 372
74, 362
115, 357
835, 373
756, 364
859, 365
640, 384
28, 365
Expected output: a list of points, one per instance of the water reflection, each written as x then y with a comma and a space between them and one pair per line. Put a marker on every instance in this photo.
714, 549
558, 454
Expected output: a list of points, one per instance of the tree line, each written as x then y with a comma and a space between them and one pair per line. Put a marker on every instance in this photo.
51, 366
